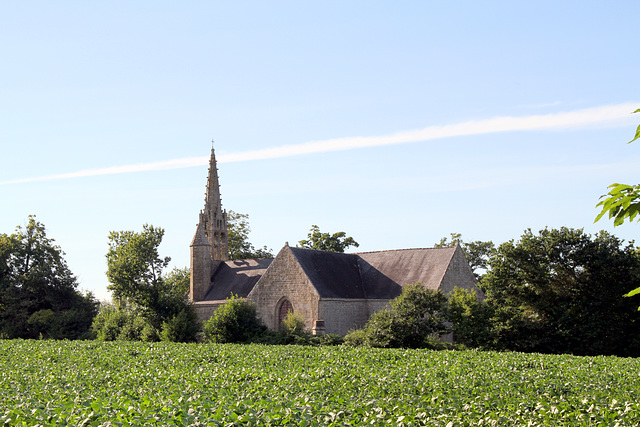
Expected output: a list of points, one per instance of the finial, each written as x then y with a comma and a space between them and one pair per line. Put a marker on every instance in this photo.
212, 143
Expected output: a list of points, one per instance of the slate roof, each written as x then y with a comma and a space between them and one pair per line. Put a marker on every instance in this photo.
385, 272
237, 276
374, 275
334, 275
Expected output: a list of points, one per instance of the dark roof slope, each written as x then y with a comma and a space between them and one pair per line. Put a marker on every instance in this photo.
334, 275
385, 272
237, 276
376, 275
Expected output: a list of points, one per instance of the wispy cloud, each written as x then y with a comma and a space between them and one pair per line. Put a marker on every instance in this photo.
604, 115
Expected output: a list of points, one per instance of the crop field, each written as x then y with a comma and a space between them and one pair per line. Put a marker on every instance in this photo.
122, 383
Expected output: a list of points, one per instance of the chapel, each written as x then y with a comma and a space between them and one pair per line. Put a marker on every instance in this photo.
333, 292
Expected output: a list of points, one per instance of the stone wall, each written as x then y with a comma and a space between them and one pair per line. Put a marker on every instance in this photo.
205, 309
460, 275
285, 279
340, 315
200, 272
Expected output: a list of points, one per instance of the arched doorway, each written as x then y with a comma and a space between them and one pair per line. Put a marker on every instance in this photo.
283, 310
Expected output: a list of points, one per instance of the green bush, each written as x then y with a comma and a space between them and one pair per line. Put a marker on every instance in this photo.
121, 324
132, 328
235, 321
293, 325
107, 324
356, 338
149, 333
328, 339
471, 319
182, 327
414, 317
41, 322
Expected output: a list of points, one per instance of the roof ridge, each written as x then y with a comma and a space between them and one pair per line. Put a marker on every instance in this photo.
322, 250
404, 249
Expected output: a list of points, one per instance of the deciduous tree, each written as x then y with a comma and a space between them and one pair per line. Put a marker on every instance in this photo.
559, 291
470, 318
622, 203
38, 293
238, 230
336, 242
135, 272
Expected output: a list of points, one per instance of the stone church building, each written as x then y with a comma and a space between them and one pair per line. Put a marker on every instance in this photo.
334, 292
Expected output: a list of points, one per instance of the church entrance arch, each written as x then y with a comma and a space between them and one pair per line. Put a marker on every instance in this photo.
284, 308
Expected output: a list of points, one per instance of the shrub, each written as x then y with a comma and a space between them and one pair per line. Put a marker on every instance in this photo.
182, 327
121, 324
132, 328
356, 338
107, 324
414, 316
327, 339
471, 319
235, 321
293, 325
149, 333
41, 321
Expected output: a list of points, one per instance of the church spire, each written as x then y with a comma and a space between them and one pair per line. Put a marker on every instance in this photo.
212, 218
212, 198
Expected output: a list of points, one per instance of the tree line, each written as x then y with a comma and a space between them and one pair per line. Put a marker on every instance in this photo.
40, 296
554, 291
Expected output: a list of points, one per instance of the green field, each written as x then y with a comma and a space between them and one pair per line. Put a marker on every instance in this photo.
93, 383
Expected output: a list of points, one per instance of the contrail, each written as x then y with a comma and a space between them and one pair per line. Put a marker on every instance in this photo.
611, 115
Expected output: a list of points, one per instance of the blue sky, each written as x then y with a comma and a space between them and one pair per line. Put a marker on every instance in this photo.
397, 122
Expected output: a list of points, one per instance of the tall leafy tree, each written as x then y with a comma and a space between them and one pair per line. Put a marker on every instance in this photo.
336, 242
38, 293
622, 203
238, 230
135, 272
559, 291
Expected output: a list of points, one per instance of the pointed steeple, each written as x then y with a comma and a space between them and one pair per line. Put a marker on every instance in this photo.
212, 198
213, 219
209, 246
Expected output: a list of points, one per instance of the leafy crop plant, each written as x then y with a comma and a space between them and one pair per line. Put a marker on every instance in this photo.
92, 383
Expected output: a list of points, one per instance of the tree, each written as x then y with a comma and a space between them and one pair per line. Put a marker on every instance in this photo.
622, 203
116, 322
471, 319
177, 282
38, 292
134, 269
413, 320
235, 321
477, 253
238, 230
336, 242
559, 292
